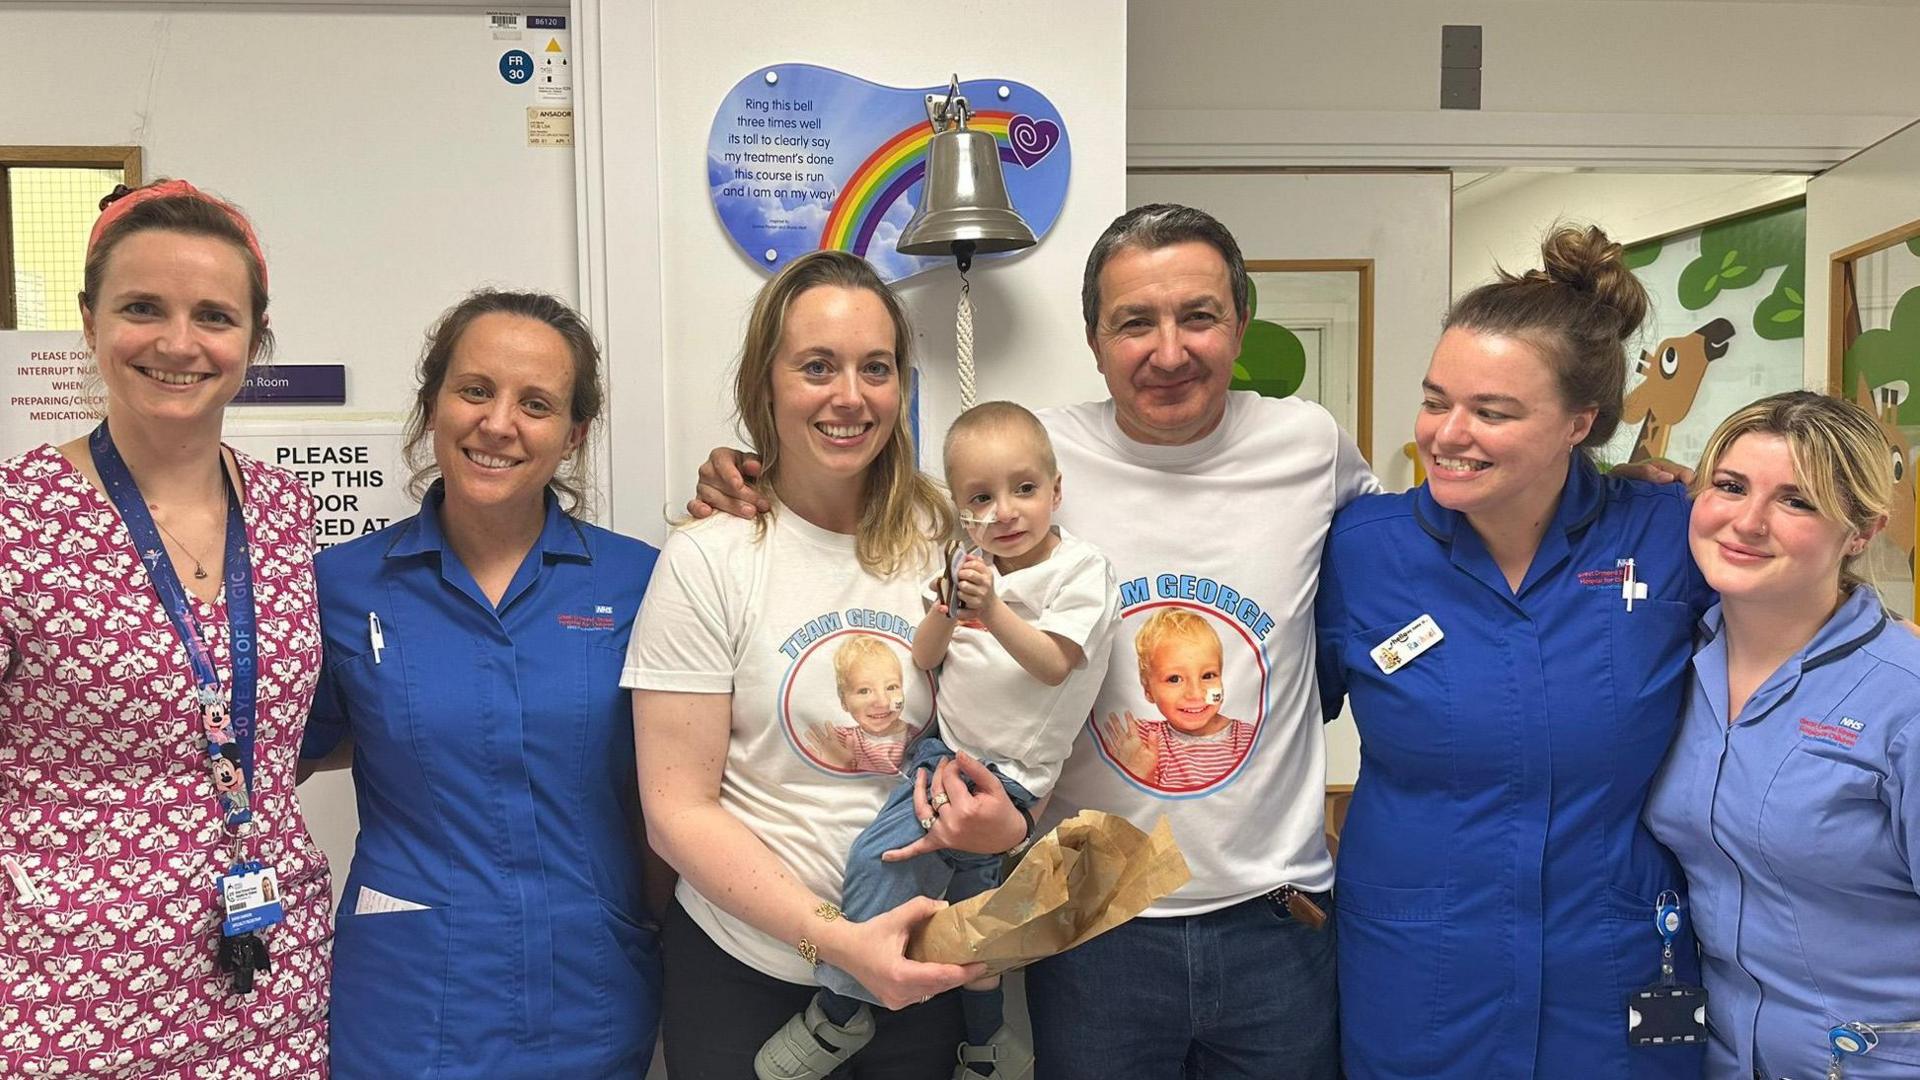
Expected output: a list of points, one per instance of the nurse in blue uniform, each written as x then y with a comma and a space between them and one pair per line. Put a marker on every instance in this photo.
1792, 793
493, 922
1512, 638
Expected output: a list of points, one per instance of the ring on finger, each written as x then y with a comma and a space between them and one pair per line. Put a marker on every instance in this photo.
926, 823
939, 800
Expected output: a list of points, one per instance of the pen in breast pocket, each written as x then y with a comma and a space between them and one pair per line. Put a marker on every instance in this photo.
373, 632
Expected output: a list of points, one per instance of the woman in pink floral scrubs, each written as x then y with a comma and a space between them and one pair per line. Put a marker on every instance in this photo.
136, 566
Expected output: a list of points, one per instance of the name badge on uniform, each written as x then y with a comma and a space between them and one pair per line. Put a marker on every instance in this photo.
1413, 639
251, 894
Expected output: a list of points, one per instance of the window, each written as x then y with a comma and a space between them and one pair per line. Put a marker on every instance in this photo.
49, 198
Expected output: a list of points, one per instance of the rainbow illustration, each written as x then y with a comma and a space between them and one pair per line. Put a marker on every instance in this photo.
886, 175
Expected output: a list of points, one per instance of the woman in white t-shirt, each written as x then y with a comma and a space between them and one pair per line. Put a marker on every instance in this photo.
737, 667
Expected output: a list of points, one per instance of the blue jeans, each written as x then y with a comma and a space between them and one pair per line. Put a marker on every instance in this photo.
872, 887
1243, 992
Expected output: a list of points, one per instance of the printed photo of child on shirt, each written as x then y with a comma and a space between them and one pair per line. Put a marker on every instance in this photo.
1194, 743
872, 687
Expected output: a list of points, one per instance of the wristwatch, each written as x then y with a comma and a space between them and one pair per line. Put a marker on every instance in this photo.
1026, 842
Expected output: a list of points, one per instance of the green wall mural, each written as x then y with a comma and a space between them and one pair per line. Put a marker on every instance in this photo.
1737, 254
1729, 313
1272, 361
1888, 357
1881, 371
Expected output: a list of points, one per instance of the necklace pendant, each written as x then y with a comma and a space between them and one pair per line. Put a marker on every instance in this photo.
199, 572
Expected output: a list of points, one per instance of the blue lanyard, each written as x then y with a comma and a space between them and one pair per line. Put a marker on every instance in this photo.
229, 749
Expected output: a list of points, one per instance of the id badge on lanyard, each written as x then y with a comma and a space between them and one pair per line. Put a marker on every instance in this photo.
227, 719
1668, 1013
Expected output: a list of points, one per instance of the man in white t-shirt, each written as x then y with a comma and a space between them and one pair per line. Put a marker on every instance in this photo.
1213, 507
1215, 504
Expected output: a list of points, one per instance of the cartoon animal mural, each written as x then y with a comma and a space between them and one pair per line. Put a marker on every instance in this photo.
1673, 370
1883, 404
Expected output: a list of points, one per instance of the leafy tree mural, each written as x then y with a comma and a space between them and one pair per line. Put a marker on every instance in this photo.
1272, 361
1891, 355
1735, 254
1782, 314
1643, 254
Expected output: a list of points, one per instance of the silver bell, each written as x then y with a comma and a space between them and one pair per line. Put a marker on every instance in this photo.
964, 208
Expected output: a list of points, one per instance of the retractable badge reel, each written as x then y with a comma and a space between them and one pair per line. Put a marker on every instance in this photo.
1668, 1013
1855, 1039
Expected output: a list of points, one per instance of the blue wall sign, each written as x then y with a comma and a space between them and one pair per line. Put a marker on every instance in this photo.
802, 158
516, 66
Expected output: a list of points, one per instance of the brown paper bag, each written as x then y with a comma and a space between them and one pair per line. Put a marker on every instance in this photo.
1084, 878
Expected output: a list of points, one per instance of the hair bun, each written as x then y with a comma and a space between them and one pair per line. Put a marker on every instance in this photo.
1588, 261
120, 191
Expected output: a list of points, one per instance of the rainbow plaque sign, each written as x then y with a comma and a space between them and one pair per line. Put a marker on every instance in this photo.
803, 157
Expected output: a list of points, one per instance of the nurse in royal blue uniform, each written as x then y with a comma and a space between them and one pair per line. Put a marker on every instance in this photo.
1792, 793
493, 922
1511, 636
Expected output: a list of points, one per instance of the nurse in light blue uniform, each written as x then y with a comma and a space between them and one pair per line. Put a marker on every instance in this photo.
1511, 636
1792, 794
493, 922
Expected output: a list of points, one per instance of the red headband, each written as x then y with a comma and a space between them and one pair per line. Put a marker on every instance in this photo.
118, 209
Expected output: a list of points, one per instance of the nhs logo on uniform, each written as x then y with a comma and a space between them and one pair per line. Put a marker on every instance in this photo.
601, 619
1844, 733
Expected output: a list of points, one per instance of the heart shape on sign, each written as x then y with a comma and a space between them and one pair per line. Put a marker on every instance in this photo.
1032, 139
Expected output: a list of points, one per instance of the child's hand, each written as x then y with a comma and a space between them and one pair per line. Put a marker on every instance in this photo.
975, 586
825, 746
1123, 741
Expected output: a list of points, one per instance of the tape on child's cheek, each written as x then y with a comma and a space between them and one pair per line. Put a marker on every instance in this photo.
899, 702
973, 521
1215, 696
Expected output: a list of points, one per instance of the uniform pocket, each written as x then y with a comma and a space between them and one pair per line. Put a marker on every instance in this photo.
1391, 903
1392, 949
1824, 820
640, 947
373, 695
1651, 647
639, 941
389, 987
1406, 717
1636, 944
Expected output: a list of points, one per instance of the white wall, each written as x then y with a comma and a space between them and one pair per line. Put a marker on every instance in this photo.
1397, 219
1029, 340
1858, 200
1647, 84
1499, 220
381, 156
1560, 56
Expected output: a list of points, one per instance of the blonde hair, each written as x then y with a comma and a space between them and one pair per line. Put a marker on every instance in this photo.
902, 514
859, 649
1842, 461
1000, 417
1170, 625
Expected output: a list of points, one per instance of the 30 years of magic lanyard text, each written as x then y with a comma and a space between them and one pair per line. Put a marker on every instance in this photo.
227, 720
